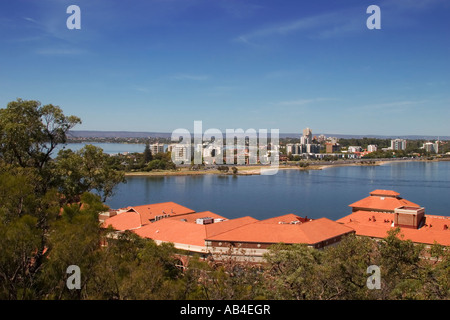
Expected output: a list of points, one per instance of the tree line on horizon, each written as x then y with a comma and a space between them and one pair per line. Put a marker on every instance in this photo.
49, 209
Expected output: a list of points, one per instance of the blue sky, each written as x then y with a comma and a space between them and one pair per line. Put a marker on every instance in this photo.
158, 65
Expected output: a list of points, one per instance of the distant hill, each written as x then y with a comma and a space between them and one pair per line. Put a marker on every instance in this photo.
117, 134
132, 134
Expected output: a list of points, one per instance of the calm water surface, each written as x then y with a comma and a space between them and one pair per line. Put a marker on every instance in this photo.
314, 193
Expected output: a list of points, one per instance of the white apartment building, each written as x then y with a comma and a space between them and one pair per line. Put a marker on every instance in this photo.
398, 144
157, 148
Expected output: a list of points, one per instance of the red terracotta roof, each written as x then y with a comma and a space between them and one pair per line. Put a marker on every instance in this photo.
287, 218
309, 233
175, 231
188, 233
135, 217
192, 217
386, 193
382, 200
434, 229
150, 211
218, 228
124, 221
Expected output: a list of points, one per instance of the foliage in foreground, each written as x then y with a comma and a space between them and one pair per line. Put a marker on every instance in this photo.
49, 221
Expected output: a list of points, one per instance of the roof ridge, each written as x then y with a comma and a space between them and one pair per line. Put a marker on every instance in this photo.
230, 221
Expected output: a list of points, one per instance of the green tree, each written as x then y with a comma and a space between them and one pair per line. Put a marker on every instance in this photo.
147, 154
33, 188
19, 241
30, 133
293, 272
86, 170
135, 268
74, 240
401, 269
345, 269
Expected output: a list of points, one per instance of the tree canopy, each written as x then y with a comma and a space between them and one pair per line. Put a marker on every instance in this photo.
49, 207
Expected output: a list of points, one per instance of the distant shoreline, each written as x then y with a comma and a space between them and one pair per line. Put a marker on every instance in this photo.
256, 170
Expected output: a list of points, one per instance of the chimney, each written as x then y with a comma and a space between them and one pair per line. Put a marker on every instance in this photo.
409, 217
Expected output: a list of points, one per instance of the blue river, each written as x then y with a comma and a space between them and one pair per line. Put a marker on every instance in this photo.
312, 193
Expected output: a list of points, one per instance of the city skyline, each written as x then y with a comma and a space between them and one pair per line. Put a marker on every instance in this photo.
156, 66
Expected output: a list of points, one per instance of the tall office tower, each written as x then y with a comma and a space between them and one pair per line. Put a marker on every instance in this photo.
307, 136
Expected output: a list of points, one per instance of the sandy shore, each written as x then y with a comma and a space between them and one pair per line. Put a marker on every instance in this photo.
257, 170
242, 171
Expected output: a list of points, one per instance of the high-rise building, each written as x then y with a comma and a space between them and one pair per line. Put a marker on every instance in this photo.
431, 147
307, 136
398, 144
306, 145
293, 148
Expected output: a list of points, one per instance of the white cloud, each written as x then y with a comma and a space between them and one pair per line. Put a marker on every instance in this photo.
301, 102
60, 51
193, 77
317, 26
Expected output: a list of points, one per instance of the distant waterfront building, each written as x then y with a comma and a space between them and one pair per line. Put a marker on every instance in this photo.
353, 149
306, 145
307, 136
332, 140
372, 148
431, 147
332, 147
180, 153
157, 148
321, 138
398, 144
312, 148
212, 154
290, 149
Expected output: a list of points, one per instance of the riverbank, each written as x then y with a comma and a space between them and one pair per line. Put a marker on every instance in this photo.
242, 170
259, 169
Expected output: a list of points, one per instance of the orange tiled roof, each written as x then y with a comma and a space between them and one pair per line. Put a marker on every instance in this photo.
188, 233
434, 229
218, 228
387, 193
150, 211
175, 231
383, 200
137, 216
124, 221
311, 233
287, 218
192, 217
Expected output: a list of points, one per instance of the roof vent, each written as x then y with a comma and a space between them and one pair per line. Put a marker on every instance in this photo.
205, 220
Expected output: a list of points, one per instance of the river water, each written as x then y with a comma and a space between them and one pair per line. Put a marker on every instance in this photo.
313, 193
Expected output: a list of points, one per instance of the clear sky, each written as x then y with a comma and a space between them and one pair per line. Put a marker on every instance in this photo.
158, 65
